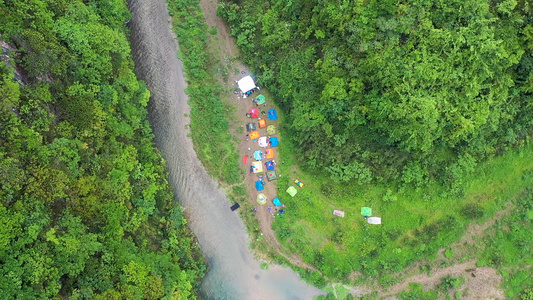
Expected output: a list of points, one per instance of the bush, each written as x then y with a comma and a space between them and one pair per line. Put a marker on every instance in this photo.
448, 253
389, 197
239, 190
527, 294
472, 211
451, 282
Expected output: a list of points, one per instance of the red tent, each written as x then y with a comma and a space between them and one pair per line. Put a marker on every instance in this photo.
254, 113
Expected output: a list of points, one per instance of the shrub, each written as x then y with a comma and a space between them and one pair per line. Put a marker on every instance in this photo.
527, 294
451, 282
472, 211
389, 197
448, 253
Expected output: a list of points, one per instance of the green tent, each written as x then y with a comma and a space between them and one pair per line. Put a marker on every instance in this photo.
261, 99
271, 175
292, 191
261, 199
271, 129
366, 211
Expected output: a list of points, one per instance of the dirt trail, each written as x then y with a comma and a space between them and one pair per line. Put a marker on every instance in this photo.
475, 230
225, 49
483, 283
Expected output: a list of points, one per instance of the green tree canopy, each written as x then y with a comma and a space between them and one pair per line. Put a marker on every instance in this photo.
86, 211
373, 88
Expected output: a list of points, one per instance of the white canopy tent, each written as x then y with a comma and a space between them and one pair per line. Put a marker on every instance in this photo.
263, 142
246, 84
374, 220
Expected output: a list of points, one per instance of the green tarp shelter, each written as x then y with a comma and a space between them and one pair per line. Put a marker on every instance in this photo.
366, 211
260, 99
292, 191
261, 199
271, 175
271, 129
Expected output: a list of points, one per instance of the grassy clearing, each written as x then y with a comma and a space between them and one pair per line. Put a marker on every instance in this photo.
508, 245
213, 143
416, 222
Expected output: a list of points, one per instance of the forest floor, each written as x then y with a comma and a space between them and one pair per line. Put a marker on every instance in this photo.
229, 70
481, 282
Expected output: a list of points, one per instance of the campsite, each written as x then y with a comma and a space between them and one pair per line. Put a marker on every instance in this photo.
378, 149
422, 219
322, 221
259, 155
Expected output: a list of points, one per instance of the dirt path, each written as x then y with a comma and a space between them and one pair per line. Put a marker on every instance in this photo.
482, 283
476, 230
230, 70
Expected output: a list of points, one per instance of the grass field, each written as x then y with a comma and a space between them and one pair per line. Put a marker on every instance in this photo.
416, 222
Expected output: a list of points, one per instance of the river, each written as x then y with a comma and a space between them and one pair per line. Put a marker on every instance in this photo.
233, 271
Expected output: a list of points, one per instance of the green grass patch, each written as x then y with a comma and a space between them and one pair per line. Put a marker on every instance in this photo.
416, 221
209, 123
508, 244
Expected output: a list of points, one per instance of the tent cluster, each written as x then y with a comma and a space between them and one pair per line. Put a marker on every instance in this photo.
260, 131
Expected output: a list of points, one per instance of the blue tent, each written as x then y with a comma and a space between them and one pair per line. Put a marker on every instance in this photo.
270, 165
274, 142
259, 185
258, 155
272, 114
277, 203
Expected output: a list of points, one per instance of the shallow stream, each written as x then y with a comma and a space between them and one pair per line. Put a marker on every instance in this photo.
233, 271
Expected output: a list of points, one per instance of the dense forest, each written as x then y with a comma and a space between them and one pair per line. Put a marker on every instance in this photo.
86, 210
415, 91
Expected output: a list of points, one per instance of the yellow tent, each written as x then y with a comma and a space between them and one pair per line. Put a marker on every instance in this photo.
269, 153
271, 129
257, 166
254, 135
292, 191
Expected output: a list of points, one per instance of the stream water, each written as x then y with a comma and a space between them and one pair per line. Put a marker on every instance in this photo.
233, 271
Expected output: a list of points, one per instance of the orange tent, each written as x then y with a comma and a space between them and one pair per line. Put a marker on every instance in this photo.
254, 135
269, 153
262, 123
